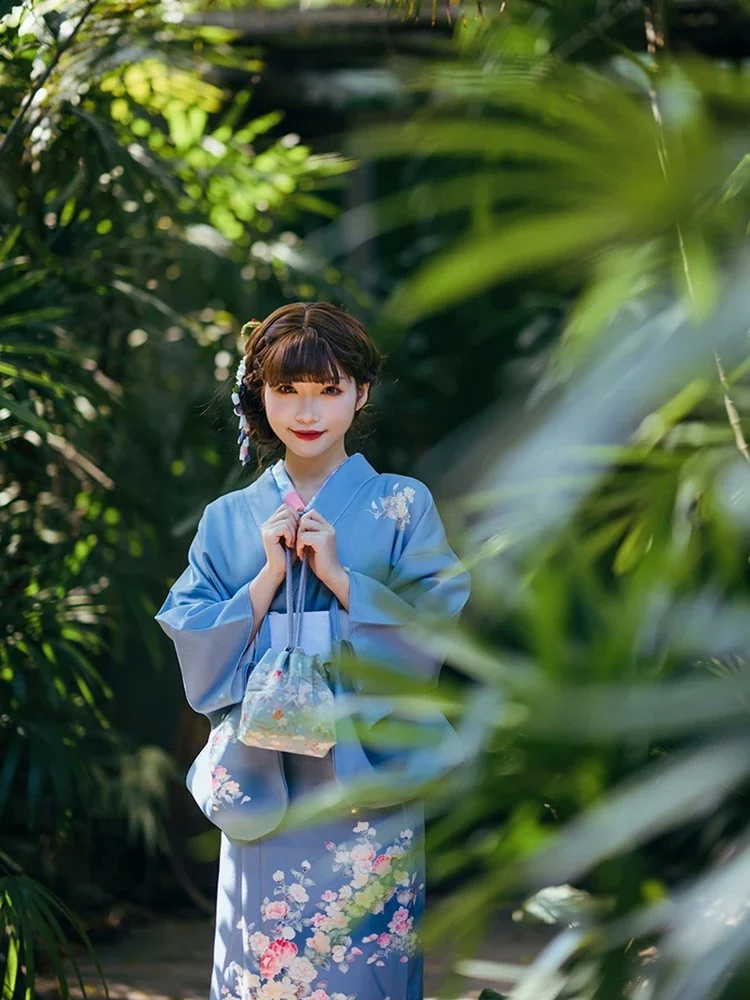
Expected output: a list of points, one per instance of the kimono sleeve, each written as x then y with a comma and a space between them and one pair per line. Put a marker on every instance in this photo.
426, 577
209, 625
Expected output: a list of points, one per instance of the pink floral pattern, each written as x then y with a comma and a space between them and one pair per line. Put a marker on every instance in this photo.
299, 941
395, 506
224, 789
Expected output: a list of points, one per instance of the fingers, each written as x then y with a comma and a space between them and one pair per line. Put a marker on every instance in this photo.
283, 523
313, 515
290, 534
300, 543
289, 524
304, 519
312, 537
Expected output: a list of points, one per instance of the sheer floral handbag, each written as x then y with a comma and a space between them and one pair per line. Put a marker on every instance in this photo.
240, 789
289, 703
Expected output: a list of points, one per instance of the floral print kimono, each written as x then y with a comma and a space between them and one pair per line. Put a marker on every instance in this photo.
329, 911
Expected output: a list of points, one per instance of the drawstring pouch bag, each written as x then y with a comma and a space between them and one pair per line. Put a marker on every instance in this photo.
242, 789
289, 703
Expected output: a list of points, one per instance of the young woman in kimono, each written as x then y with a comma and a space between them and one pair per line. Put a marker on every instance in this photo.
330, 910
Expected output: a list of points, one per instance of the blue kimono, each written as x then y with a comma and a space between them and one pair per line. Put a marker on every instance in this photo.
330, 910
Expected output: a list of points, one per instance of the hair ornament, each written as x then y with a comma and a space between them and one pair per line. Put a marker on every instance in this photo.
249, 327
243, 440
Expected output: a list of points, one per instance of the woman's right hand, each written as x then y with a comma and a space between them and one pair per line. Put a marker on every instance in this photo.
280, 527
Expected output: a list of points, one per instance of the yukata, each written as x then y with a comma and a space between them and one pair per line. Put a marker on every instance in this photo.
330, 911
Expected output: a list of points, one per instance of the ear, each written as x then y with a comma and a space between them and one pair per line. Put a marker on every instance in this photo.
363, 395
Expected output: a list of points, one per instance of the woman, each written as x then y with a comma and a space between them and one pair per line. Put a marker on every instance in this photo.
330, 910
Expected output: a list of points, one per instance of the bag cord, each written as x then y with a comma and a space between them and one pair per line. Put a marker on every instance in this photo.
295, 624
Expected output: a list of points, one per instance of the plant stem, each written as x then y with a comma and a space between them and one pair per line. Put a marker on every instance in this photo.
656, 38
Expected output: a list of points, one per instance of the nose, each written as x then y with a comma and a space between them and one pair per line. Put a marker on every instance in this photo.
307, 416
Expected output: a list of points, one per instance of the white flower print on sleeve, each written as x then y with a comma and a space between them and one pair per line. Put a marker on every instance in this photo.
224, 789
395, 505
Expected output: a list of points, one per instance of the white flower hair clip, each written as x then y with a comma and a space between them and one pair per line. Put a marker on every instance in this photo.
243, 440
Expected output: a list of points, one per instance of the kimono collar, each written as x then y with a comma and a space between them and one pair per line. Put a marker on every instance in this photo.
287, 491
332, 498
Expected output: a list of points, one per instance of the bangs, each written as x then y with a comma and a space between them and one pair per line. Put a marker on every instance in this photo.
304, 357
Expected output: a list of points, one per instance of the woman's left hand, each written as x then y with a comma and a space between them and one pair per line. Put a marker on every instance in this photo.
322, 557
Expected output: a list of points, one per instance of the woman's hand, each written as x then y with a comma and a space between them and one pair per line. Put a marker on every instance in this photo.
282, 524
319, 536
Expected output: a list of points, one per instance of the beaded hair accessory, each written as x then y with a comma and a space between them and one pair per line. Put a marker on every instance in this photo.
243, 440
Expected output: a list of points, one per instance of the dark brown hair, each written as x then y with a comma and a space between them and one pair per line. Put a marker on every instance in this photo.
302, 342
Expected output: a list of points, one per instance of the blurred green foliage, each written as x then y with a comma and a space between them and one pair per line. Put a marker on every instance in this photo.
133, 191
604, 511
607, 522
581, 208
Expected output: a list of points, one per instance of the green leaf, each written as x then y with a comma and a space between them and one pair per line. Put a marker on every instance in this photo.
473, 265
22, 284
33, 317
696, 273
12, 966
633, 546
24, 413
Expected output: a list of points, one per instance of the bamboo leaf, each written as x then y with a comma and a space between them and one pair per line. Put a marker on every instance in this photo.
633, 547
472, 265
24, 413
34, 317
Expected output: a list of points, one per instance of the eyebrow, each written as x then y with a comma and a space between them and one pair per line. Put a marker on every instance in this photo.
302, 381
307, 382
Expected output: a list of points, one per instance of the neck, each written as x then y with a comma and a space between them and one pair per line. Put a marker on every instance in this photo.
308, 473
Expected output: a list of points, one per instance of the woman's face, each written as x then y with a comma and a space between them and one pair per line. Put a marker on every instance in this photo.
326, 408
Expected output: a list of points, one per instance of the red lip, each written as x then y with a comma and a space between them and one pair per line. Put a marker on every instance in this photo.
308, 435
